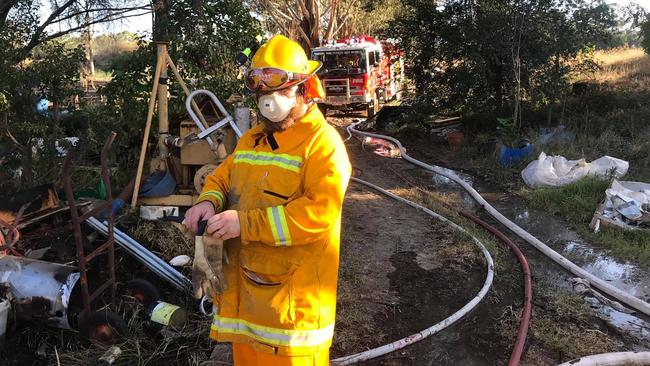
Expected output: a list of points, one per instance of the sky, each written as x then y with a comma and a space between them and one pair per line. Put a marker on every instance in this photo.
644, 3
143, 23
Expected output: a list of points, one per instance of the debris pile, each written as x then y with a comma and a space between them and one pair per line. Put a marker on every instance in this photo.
627, 206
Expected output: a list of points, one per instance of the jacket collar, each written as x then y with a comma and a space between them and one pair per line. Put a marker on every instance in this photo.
294, 135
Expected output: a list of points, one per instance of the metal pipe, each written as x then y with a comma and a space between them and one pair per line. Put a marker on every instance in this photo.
153, 262
227, 120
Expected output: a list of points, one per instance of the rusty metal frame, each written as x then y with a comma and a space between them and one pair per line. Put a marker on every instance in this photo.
78, 218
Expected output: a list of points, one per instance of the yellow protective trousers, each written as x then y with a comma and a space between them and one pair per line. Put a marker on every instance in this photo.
245, 355
287, 188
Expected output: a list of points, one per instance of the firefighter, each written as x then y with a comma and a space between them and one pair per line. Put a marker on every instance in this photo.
276, 201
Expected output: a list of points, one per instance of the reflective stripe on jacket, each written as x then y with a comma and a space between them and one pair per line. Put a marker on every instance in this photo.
283, 269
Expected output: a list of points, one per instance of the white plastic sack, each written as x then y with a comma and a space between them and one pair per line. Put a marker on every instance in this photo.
556, 171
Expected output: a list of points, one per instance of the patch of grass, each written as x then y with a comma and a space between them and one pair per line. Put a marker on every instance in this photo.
464, 248
620, 64
562, 327
576, 201
576, 204
101, 75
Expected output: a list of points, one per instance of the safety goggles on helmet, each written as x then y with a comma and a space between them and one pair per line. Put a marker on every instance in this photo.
270, 79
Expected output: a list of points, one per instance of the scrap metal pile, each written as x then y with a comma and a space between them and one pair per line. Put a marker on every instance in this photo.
58, 264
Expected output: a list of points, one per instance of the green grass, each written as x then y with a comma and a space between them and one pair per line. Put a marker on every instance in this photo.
576, 204
101, 75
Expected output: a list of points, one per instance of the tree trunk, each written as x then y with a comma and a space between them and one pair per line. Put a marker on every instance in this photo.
310, 24
26, 160
161, 20
89, 53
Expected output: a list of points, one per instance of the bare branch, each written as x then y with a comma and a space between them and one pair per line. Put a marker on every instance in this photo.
275, 19
111, 17
5, 7
83, 12
341, 25
303, 7
4, 125
292, 11
39, 31
332, 19
280, 13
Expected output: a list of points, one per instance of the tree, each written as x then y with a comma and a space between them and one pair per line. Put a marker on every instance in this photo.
69, 17
645, 35
204, 37
51, 74
481, 54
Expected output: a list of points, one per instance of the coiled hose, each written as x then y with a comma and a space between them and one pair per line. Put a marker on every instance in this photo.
379, 351
622, 296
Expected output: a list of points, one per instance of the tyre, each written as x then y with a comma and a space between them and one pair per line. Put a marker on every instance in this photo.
104, 327
373, 107
142, 290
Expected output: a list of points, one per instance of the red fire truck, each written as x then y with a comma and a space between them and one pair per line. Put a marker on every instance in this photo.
359, 73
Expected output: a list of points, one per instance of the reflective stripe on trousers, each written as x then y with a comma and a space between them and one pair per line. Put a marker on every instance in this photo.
273, 336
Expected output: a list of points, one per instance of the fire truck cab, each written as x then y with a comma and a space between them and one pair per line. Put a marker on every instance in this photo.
359, 73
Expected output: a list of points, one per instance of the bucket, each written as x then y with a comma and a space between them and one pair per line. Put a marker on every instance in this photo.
455, 139
5, 305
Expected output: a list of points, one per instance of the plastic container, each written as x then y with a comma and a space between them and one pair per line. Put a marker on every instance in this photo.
509, 155
5, 305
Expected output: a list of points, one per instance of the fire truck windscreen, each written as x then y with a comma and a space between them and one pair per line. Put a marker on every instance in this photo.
341, 62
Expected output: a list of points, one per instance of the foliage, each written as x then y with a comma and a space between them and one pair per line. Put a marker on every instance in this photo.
203, 44
50, 72
205, 37
471, 53
507, 131
577, 202
645, 34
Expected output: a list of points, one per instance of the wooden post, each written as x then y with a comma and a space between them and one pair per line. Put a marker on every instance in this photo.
163, 114
147, 129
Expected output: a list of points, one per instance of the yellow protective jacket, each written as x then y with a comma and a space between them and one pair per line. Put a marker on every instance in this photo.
282, 272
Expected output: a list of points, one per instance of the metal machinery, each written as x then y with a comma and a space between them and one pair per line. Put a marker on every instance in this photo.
203, 141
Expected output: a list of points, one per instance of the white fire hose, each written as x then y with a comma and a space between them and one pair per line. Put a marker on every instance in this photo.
612, 359
453, 318
603, 286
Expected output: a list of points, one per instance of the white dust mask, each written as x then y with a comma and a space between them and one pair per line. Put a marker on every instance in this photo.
275, 106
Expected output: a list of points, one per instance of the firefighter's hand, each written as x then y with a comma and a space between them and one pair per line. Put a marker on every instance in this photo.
224, 225
201, 211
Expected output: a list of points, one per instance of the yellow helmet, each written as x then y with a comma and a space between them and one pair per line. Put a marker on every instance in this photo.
282, 53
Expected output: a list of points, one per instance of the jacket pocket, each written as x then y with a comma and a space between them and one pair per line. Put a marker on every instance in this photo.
266, 289
274, 194
278, 188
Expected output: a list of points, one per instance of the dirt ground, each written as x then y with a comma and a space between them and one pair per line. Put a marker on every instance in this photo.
401, 272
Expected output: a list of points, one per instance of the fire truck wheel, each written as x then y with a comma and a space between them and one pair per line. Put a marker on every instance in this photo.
373, 107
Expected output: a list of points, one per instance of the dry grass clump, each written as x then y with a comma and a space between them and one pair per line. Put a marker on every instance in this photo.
162, 237
622, 65
145, 346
